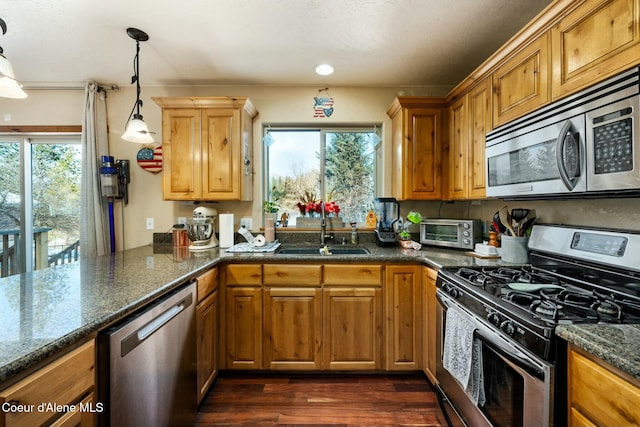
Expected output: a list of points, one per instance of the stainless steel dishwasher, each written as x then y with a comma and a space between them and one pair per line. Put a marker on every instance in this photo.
147, 365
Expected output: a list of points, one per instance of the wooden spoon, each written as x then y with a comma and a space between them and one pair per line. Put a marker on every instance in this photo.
506, 220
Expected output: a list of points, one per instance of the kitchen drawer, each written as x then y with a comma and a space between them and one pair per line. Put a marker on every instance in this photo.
207, 283
349, 275
64, 381
292, 274
243, 274
79, 416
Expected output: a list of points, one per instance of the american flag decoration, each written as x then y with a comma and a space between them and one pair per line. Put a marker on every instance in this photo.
150, 159
323, 104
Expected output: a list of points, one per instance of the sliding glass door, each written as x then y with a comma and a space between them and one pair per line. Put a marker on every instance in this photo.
39, 201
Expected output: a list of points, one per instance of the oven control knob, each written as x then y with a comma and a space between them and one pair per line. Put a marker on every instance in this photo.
494, 318
508, 327
453, 292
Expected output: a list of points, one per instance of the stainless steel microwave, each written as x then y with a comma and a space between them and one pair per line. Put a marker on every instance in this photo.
583, 144
451, 233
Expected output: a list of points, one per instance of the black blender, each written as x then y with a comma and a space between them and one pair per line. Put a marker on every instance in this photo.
387, 213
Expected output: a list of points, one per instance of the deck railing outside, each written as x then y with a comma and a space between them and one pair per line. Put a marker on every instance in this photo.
9, 256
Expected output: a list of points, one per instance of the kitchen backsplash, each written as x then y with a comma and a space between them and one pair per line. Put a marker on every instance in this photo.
623, 213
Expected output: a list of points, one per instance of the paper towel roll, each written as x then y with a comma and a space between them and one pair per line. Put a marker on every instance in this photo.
259, 240
226, 230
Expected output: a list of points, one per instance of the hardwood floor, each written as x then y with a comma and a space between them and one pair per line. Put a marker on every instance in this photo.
239, 399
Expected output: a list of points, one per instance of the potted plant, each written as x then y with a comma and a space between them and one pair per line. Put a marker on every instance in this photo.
404, 237
271, 207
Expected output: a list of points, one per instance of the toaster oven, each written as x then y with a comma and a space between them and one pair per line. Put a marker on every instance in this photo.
452, 233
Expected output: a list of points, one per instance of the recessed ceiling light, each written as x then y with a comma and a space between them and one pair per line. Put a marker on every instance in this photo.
324, 69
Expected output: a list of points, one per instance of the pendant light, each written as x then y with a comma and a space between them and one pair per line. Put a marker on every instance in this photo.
136, 129
9, 86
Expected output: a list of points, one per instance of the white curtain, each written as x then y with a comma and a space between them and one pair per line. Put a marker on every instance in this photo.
94, 224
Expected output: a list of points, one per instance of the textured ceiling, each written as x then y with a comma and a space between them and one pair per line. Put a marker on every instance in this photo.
258, 42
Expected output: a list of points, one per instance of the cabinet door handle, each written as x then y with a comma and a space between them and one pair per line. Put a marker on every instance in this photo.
226, 141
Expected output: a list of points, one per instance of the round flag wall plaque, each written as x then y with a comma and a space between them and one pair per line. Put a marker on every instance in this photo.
150, 159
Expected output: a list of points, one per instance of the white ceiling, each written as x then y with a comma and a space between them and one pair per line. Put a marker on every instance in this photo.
258, 42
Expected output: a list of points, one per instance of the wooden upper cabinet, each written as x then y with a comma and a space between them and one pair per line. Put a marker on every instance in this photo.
207, 148
469, 121
596, 40
416, 148
181, 155
521, 83
480, 122
458, 144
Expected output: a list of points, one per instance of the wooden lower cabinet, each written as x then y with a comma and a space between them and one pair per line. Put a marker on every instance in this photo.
207, 331
241, 334
600, 395
403, 310
243, 327
353, 317
207, 342
292, 328
69, 380
429, 302
79, 417
353, 328
323, 317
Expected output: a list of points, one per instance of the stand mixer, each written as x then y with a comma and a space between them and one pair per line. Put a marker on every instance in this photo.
200, 229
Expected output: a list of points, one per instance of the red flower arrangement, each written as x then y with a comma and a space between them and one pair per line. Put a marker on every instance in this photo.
308, 204
316, 207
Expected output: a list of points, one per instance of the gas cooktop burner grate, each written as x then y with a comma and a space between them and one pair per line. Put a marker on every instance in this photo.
504, 275
563, 303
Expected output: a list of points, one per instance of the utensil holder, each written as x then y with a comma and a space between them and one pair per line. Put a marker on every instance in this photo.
515, 249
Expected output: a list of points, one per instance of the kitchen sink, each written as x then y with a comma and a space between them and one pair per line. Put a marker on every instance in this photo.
316, 250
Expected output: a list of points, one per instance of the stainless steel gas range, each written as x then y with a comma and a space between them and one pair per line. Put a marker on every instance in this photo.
499, 362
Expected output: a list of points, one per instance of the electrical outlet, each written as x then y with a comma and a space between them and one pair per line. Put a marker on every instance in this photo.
182, 220
149, 223
246, 222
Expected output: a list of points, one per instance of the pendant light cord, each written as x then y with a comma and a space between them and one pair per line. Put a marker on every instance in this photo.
136, 79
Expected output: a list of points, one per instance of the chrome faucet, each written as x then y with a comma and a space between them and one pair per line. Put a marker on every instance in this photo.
323, 226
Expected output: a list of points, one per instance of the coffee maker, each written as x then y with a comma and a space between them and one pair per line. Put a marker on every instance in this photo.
387, 214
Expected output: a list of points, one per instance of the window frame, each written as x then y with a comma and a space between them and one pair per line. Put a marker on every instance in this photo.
373, 127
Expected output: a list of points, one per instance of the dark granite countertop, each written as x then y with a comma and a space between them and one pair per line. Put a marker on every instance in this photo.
45, 311
618, 345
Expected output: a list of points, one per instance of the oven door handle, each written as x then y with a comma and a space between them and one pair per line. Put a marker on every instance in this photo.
496, 341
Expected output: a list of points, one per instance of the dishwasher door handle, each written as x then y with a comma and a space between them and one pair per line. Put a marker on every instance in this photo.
134, 339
